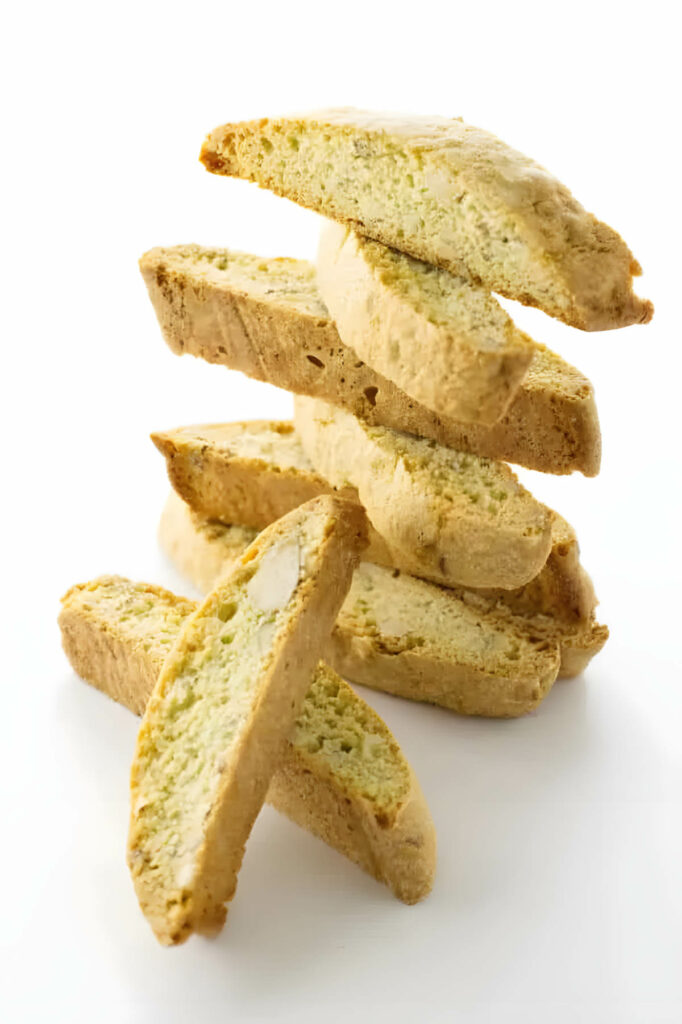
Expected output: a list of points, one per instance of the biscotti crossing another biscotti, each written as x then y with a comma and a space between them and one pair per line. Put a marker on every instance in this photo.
266, 319
341, 776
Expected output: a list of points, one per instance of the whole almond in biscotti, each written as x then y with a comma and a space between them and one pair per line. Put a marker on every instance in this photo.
222, 708
448, 515
447, 193
265, 317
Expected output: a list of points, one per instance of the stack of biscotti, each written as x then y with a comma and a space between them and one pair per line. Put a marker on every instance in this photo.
413, 389
381, 535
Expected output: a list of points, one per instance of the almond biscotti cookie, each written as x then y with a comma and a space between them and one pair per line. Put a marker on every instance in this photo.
222, 708
342, 774
454, 517
442, 338
265, 318
253, 472
460, 649
447, 193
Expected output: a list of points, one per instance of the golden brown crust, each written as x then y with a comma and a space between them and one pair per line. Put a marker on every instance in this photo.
210, 475
551, 424
306, 787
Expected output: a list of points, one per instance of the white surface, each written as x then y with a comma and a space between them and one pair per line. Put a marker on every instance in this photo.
558, 890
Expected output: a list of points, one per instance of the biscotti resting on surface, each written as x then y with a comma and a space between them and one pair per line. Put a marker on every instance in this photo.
341, 775
441, 337
266, 319
448, 515
254, 472
448, 193
460, 649
222, 708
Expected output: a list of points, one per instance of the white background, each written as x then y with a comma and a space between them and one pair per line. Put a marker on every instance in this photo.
558, 891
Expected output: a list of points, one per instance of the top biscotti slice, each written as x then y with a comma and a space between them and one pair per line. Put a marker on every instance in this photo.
448, 193
342, 774
222, 708
441, 337
452, 517
265, 317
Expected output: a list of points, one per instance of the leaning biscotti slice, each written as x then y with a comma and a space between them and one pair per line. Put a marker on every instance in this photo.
266, 319
251, 473
457, 518
441, 337
448, 193
341, 775
459, 649
222, 708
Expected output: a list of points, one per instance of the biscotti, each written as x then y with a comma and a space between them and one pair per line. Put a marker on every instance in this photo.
341, 775
441, 337
448, 515
266, 319
448, 193
456, 648
254, 472
222, 708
